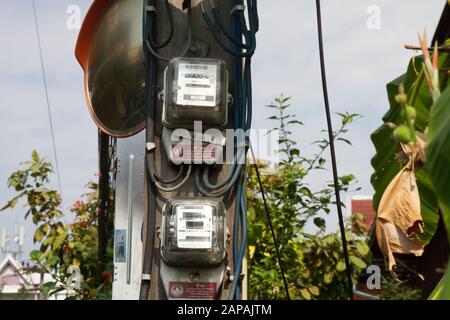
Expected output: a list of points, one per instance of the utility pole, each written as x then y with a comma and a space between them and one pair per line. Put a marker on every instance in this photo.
203, 42
175, 232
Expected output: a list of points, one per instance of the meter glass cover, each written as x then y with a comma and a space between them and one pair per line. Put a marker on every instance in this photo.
195, 90
193, 232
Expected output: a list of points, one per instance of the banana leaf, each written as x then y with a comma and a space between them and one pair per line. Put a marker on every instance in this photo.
384, 162
439, 153
442, 290
438, 164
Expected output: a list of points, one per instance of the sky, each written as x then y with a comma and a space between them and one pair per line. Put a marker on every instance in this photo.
363, 53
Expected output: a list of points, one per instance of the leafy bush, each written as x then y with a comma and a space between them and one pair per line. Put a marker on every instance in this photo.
63, 248
313, 263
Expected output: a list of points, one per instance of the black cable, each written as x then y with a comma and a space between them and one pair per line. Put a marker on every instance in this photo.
164, 43
52, 131
333, 152
150, 75
269, 219
187, 45
170, 180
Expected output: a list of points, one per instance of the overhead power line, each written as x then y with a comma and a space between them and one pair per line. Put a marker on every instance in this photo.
333, 152
49, 110
269, 219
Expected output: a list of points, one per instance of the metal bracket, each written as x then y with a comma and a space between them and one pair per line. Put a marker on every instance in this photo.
230, 278
230, 98
146, 276
158, 232
150, 146
161, 96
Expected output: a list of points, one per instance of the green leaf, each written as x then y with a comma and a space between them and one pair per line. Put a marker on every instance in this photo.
35, 156
305, 294
59, 240
315, 291
56, 291
47, 287
344, 140
328, 277
35, 255
38, 235
358, 262
362, 248
438, 155
319, 222
52, 261
294, 152
442, 290
340, 266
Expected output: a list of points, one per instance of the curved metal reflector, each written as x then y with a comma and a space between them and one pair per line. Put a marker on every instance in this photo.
114, 67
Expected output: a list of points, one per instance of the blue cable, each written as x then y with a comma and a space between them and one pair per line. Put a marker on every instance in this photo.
242, 107
243, 246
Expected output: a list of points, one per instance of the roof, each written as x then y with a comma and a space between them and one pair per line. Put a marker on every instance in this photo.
12, 279
363, 206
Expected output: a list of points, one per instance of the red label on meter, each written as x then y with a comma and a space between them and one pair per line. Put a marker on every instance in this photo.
191, 152
192, 290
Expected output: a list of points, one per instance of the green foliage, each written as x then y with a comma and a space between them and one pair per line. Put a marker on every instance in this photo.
442, 290
385, 162
424, 81
438, 155
314, 263
398, 290
438, 164
62, 247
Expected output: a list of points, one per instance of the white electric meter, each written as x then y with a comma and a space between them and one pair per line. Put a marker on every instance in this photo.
195, 90
193, 232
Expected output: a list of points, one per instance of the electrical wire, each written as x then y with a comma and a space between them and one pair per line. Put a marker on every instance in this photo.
154, 181
164, 43
242, 80
187, 46
243, 113
333, 152
149, 239
241, 211
170, 180
242, 105
248, 34
49, 110
269, 220
173, 188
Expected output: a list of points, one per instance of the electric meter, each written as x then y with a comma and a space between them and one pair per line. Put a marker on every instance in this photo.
195, 90
188, 147
192, 232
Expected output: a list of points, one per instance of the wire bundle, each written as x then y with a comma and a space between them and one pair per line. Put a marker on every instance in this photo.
241, 71
242, 53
